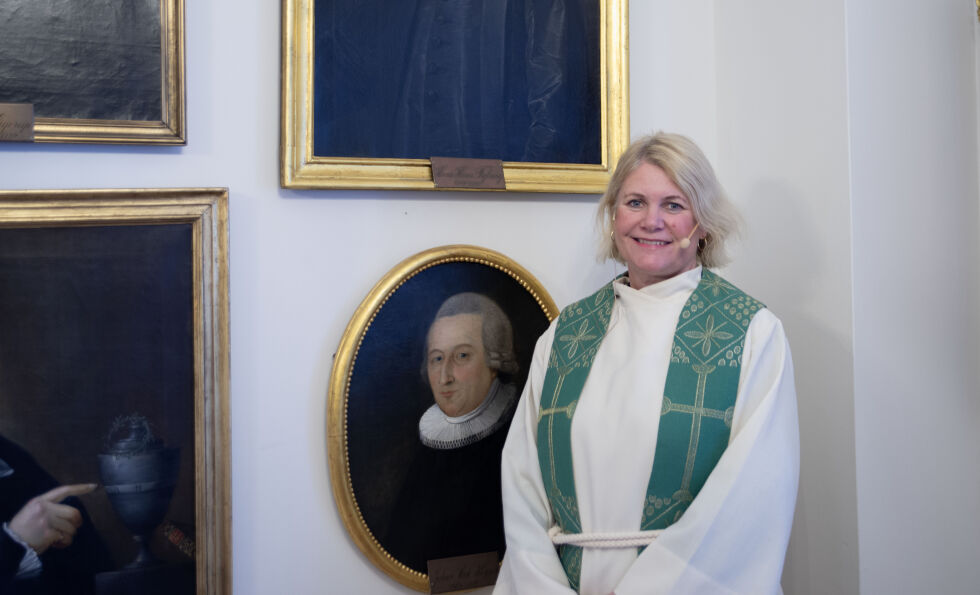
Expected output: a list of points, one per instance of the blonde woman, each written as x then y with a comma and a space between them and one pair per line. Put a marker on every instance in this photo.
655, 448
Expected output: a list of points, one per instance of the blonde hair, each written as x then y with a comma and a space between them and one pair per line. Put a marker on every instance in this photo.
689, 170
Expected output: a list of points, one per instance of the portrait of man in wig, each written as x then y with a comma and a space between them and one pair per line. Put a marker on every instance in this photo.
450, 502
469, 360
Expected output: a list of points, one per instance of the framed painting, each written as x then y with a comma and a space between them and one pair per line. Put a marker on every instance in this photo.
372, 90
114, 371
422, 391
101, 71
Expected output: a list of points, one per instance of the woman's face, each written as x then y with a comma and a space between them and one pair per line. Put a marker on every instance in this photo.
652, 216
458, 371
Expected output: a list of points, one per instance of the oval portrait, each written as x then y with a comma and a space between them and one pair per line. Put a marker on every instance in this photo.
422, 392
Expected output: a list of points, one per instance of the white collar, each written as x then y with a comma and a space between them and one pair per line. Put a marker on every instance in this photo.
682, 283
440, 431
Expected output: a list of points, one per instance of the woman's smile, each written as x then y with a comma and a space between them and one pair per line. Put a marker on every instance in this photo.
652, 214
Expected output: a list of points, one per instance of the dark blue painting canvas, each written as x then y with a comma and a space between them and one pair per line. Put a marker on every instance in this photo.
515, 80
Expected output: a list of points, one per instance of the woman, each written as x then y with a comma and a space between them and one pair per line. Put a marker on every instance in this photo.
655, 448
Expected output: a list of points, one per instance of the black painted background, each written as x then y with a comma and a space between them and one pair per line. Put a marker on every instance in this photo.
96, 322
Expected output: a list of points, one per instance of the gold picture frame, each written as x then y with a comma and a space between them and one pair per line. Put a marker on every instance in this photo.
81, 235
170, 129
375, 394
301, 168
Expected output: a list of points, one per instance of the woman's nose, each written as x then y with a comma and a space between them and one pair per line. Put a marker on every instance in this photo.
653, 219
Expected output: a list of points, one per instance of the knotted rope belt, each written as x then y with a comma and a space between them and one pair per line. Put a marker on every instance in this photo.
611, 540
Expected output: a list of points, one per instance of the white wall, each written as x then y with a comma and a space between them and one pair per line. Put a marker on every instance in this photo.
783, 121
913, 106
762, 86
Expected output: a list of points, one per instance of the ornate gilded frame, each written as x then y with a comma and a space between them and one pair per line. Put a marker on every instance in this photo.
343, 372
300, 168
170, 130
206, 211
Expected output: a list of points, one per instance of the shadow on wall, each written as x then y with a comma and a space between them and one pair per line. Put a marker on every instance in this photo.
786, 265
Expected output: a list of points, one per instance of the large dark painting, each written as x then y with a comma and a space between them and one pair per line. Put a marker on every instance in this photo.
433, 376
516, 80
98, 59
101, 382
99, 71
97, 326
373, 89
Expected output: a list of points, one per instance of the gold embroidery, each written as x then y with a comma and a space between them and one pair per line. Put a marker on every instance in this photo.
568, 410
708, 335
581, 335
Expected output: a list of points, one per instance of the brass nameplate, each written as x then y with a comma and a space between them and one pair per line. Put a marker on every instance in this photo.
455, 172
463, 572
16, 122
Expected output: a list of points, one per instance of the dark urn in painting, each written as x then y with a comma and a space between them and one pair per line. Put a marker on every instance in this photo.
139, 474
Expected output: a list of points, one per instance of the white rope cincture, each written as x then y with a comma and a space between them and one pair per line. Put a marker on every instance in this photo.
626, 539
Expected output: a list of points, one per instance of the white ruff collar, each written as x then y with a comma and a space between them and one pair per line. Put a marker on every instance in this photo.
438, 430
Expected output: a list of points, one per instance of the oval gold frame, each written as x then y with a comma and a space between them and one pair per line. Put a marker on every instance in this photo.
337, 454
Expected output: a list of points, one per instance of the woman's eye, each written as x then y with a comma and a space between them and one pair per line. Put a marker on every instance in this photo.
634, 203
674, 206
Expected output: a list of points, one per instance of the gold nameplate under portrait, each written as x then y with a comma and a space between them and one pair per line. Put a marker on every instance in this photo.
473, 174
16, 122
463, 572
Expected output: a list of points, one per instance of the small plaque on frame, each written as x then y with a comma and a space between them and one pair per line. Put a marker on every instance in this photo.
463, 572
17, 122
455, 172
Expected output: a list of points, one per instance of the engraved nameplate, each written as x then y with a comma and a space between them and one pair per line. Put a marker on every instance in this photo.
455, 172
463, 572
16, 122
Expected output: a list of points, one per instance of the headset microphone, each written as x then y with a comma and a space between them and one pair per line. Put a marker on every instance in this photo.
685, 242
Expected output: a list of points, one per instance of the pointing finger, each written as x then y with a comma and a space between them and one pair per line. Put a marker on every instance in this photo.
61, 492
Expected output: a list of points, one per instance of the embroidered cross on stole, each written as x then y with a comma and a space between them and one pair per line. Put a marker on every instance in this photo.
695, 419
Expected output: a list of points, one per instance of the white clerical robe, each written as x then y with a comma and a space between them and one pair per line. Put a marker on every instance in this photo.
732, 538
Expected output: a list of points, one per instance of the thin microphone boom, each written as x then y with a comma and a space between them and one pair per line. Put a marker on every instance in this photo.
685, 242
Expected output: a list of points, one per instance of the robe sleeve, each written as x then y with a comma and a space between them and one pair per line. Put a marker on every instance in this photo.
531, 564
11, 554
733, 537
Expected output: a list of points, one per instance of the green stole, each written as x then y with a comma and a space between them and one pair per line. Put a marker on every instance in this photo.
695, 419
